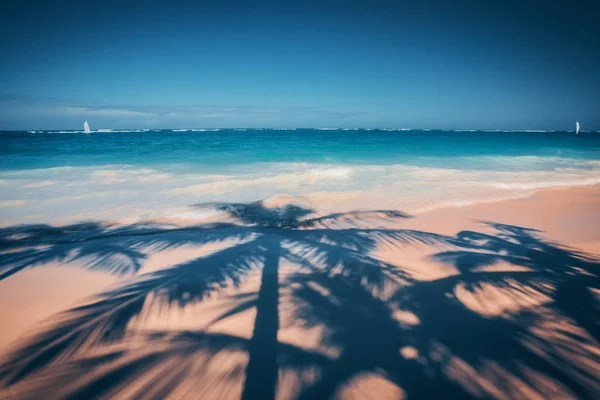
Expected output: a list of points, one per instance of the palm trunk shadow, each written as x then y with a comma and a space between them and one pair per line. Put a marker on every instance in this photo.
262, 369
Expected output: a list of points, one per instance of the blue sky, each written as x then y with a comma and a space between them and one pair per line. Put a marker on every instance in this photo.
422, 64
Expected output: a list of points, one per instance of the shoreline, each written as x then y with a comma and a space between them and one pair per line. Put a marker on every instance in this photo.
476, 206
547, 210
531, 193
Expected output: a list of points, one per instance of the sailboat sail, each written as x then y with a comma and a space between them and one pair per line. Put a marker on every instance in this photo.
576, 127
86, 127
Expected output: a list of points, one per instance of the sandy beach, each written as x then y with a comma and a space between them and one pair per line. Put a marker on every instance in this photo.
495, 300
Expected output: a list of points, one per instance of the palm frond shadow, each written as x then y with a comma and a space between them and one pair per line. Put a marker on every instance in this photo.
118, 250
339, 287
567, 276
449, 342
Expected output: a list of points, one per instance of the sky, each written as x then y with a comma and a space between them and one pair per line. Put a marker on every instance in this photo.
458, 64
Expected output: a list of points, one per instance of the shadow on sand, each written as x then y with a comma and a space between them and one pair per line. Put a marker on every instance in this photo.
373, 318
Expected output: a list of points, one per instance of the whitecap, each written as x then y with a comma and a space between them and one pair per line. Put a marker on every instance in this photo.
39, 184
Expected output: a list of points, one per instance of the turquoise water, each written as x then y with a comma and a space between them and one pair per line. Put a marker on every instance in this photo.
221, 148
57, 176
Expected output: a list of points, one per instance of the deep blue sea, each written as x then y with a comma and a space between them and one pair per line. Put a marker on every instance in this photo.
67, 176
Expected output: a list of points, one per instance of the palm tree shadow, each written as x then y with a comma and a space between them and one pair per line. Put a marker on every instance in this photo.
265, 236
354, 297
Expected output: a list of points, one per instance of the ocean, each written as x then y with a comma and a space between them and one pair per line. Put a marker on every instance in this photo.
62, 177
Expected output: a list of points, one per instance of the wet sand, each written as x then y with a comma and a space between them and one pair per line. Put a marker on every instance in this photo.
365, 305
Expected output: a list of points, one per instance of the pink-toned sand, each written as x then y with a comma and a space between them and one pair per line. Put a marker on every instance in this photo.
31, 299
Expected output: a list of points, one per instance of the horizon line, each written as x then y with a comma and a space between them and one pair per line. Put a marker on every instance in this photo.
205, 129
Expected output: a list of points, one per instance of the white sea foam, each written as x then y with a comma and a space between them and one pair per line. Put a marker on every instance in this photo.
548, 184
197, 130
188, 213
126, 191
39, 184
341, 173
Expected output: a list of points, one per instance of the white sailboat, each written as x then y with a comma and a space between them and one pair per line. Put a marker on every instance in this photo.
86, 128
577, 127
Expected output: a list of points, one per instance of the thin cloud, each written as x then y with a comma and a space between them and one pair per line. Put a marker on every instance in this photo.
105, 112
